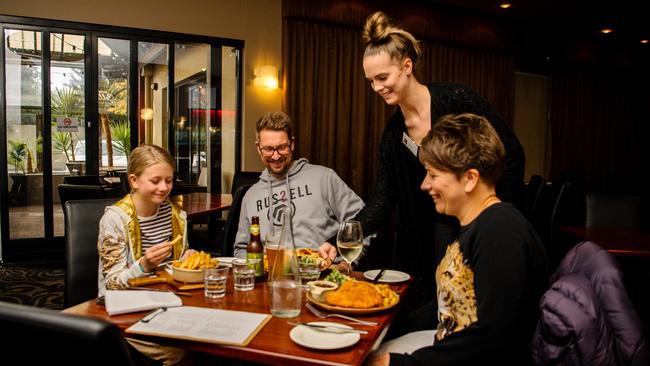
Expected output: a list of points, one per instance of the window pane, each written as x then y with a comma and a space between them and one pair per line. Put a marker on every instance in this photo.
193, 108
113, 96
24, 117
68, 110
152, 80
230, 83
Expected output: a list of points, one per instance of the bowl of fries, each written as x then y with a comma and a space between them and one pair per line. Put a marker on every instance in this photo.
190, 269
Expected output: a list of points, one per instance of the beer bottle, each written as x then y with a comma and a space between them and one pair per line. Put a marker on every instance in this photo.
254, 249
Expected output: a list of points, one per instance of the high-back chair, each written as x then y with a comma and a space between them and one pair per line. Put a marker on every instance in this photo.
613, 210
85, 192
244, 178
587, 317
81, 256
36, 336
532, 193
91, 180
232, 221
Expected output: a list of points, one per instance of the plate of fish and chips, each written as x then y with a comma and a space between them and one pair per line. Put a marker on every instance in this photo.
357, 297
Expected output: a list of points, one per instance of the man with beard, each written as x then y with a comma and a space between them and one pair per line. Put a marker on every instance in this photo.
317, 198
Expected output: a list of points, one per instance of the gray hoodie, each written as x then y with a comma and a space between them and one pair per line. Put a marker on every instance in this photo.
319, 199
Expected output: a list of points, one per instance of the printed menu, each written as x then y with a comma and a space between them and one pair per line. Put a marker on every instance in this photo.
203, 324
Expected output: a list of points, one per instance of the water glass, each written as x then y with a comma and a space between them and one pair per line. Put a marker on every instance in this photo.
243, 273
215, 280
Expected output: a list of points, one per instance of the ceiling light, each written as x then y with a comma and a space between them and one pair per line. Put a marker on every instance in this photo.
505, 5
606, 30
644, 41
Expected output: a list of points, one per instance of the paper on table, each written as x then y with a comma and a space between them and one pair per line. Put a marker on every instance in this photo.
121, 302
204, 324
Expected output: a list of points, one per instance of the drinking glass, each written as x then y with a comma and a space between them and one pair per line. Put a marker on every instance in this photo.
243, 274
271, 247
349, 241
215, 280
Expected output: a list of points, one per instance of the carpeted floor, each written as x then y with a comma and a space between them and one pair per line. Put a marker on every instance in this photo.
35, 284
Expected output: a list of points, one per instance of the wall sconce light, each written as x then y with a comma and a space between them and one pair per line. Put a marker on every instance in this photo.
146, 114
266, 77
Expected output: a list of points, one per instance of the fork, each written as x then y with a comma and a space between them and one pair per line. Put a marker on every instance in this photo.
323, 315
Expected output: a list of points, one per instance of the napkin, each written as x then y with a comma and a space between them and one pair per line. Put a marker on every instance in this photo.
122, 302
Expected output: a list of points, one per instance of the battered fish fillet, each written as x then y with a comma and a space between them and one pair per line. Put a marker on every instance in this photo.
355, 294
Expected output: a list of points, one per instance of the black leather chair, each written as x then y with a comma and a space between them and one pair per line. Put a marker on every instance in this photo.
242, 178
532, 193
613, 210
232, 221
92, 180
36, 336
81, 256
85, 192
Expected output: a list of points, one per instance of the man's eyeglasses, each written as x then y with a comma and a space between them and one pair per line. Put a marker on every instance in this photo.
269, 150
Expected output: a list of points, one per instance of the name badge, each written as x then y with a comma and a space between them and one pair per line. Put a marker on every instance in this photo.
410, 144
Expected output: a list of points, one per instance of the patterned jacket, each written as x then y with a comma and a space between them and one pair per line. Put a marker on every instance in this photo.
120, 247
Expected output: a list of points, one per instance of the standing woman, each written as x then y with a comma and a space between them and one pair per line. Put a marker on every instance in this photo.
389, 60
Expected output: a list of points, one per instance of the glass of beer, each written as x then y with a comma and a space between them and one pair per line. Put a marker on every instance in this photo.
271, 246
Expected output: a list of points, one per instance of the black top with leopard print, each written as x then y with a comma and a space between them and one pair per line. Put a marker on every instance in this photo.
489, 284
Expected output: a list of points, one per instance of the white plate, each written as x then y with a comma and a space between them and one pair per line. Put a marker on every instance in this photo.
226, 260
389, 276
323, 339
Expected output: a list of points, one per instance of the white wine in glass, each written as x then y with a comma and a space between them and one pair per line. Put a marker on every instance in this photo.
349, 241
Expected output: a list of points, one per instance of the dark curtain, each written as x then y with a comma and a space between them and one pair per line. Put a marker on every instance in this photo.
599, 128
339, 119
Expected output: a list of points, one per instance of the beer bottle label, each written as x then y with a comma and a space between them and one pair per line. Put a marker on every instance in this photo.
256, 259
255, 229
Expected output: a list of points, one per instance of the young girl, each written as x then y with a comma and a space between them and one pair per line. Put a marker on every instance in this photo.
136, 234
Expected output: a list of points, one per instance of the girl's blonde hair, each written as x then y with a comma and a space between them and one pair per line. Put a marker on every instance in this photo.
379, 34
145, 155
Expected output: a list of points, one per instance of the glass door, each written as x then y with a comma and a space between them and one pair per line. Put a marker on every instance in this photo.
74, 100
44, 113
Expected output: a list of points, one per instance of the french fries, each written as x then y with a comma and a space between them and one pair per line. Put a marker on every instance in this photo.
197, 260
388, 296
176, 240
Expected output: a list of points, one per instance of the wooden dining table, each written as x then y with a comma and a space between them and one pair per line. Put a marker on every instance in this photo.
198, 204
272, 344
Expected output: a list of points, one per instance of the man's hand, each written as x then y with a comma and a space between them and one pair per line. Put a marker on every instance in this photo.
344, 267
327, 251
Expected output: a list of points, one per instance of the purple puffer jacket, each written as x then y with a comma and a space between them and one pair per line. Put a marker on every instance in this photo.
586, 315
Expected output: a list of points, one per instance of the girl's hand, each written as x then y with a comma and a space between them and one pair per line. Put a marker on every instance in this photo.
155, 255
187, 253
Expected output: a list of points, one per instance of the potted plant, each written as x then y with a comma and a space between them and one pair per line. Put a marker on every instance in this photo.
67, 102
121, 134
17, 155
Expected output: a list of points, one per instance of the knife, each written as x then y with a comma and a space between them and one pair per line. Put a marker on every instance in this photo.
330, 327
378, 276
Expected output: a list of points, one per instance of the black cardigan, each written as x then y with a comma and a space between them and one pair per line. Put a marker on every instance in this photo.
400, 174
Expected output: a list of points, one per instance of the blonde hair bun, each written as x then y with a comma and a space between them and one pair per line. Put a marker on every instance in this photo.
376, 29
380, 35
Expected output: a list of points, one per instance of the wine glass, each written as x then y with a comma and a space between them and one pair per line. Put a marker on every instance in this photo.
349, 241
